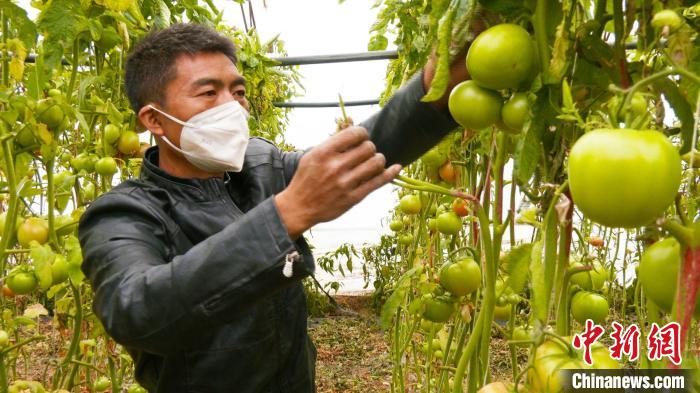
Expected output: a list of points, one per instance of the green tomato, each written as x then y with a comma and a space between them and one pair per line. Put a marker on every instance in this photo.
515, 112
87, 192
406, 239
136, 388
501, 57
59, 270
668, 18
128, 143
449, 223
49, 113
434, 158
101, 384
473, 106
610, 174
111, 133
550, 357
588, 305
83, 162
33, 228
638, 104
396, 225
410, 204
591, 280
521, 334
106, 166
438, 309
432, 224
462, 277
25, 137
658, 273
502, 313
4, 338
21, 282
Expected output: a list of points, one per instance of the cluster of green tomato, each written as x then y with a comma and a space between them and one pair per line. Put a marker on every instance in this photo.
500, 58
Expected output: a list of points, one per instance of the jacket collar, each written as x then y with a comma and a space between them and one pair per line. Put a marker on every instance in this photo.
152, 173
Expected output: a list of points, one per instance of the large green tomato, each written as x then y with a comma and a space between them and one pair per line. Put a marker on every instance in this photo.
473, 106
33, 228
593, 279
462, 277
623, 178
502, 57
22, 282
106, 166
438, 309
658, 273
589, 305
551, 357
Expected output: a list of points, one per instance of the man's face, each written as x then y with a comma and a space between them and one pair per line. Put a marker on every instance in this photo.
202, 81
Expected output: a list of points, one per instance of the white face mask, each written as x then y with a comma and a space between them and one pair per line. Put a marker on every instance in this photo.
214, 140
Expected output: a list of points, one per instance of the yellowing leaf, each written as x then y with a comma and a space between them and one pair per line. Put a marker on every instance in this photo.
43, 133
34, 311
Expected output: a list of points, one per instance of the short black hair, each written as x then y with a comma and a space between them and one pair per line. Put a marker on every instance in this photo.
150, 67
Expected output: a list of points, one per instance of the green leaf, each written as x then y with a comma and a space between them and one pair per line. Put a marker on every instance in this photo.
60, 23
442, 70
517, 261
42, 258
75, 259
682, 109
529, 150
26, 29
539, 294
22, 163
396, 299
377, 42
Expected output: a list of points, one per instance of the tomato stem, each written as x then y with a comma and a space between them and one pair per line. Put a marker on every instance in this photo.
686, 293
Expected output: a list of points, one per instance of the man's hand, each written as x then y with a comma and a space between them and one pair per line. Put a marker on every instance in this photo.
331, 178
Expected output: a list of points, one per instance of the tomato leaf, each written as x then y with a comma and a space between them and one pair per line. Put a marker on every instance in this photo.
529, 150
42, 257
396, 299
441, 77
517, 261
377, 42
35, 310
26, 29
75, 259
682, 109
60, 23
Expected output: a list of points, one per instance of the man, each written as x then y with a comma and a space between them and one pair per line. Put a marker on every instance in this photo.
197, 264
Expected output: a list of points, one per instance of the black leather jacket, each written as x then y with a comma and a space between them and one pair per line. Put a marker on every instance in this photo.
187, 273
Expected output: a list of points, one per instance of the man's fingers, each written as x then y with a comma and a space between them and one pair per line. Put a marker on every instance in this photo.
359, 154
367, 170
348, 138
377, 181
